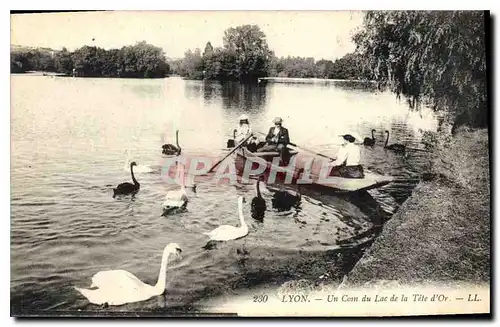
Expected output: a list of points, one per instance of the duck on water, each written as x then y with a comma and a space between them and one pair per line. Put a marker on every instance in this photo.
128, 188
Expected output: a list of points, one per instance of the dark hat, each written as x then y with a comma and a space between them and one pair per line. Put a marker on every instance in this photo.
349, 138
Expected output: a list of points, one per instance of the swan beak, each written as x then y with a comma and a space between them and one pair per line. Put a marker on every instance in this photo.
178, 250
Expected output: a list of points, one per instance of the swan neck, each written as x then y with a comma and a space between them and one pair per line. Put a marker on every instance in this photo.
258, 188
177, 139
387, 139
132, 173
162, 276
373, 136
240, 212
181, 175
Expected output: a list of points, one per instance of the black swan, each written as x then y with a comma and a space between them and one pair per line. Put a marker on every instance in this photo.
258, 203
394, 147
128, 188
370, 141
230, 142
171, 149
284, 200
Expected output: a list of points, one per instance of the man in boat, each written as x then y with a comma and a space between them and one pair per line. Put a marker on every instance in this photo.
243, 131
347, 163
277, 139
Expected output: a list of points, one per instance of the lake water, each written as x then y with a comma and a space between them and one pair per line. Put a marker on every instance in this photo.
68, 138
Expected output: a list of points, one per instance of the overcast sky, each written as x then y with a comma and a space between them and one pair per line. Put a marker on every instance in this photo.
318, 34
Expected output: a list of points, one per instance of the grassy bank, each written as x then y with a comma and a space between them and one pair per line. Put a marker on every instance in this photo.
441, 234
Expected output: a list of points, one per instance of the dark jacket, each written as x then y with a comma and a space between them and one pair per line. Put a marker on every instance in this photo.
283, 137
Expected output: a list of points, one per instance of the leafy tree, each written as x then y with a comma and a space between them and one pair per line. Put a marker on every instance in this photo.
209, 50
324, 68
19, 62
249, 46
89, 61
175, 66
192, 64
63, 62
433, 58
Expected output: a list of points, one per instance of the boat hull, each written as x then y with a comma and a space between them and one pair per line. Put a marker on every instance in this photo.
315, 176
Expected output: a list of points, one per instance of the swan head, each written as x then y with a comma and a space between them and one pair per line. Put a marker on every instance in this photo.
387, 131
173, 248
242, 199
133, 163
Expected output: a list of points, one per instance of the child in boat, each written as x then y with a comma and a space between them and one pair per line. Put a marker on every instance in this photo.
243, 131
347, 163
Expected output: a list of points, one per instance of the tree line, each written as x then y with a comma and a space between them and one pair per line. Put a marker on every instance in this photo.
245, 56
141, 60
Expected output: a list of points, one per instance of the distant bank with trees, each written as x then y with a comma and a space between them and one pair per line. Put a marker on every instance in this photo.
245, 56
141, 60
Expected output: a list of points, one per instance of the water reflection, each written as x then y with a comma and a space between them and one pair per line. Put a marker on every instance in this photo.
145, 91
251, 98
193, 89
358, 86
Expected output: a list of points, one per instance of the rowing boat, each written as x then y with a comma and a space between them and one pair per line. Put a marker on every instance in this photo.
313, 175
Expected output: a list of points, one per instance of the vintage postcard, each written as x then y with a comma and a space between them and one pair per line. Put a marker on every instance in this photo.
250, 163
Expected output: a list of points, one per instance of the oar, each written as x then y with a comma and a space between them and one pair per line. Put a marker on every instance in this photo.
304, 149
231, 152
307, 150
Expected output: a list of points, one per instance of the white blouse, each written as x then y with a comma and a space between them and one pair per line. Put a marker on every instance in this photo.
350, 154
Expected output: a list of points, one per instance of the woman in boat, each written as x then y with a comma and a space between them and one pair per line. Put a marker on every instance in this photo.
277, 139
347, 163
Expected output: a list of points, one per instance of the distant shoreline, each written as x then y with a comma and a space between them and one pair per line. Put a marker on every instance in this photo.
39, 73
311, 80
298, 80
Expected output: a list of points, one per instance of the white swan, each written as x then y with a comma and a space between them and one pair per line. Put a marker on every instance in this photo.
117, 287
177, 199
226, 232
138, 168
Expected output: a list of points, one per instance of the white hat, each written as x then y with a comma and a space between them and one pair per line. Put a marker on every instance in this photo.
243, 117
